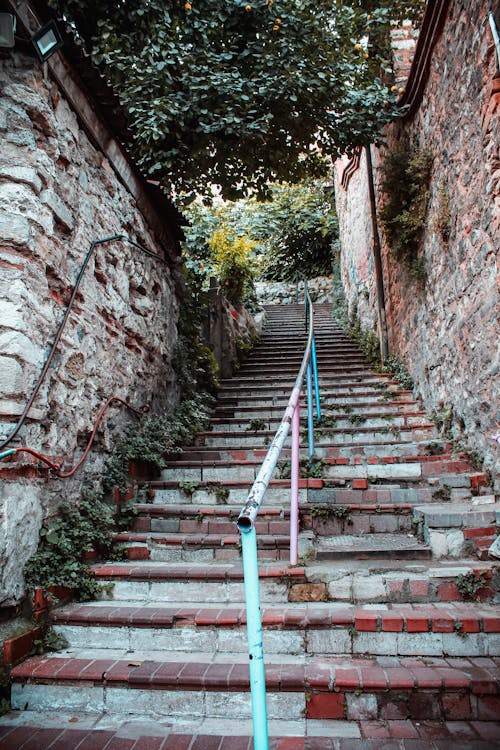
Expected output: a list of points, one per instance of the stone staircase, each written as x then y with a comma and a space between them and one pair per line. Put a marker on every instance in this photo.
368, 641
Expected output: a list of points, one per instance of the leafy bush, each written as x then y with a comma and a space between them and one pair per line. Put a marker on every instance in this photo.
233, 263
154, 437
77, 528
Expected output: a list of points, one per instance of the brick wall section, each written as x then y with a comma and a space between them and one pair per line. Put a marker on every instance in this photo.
446, 333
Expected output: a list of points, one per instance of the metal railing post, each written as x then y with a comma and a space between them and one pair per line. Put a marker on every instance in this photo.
310, 418
246, 525
294, 487
254, 633
316, 380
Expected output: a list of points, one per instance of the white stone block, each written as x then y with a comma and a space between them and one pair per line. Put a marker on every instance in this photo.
340, 589
328, 641
470, 644
368, 588
381, 644
427, 644
58, 698
360, 707
159, 702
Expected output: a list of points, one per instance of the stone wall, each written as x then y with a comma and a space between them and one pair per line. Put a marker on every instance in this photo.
447, 331
58, 193
285, 293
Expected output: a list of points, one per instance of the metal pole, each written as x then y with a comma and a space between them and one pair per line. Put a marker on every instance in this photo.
294, 488
310, 420
316, 381
377, 258
254, 633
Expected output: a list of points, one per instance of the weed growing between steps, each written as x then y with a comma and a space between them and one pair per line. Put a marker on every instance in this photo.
78, 528
469, 585
155, 437
49, 642
309, 468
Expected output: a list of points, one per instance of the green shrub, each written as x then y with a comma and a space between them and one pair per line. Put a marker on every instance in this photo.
78, 527
406, 177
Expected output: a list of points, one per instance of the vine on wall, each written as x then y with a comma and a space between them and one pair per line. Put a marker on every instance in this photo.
406, 178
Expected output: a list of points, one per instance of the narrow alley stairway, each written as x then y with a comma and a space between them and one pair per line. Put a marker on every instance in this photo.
385, 634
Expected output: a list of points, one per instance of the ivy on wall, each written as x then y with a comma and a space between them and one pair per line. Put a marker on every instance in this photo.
406, 175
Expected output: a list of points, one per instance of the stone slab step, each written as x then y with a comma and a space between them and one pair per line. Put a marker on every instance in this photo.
444, 629
383, 580
234, 492
420, 688
198, 547
334, 437
217, 582
362, 546
309, 734
313, 491
322, 449
389, 469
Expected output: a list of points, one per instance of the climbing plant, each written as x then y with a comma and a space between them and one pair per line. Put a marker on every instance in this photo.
239, 93
406, 178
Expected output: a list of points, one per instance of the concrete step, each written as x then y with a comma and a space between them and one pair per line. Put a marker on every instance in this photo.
351, 424
41, 731
373, 580
420, 688
383, 409
315, 629
362, 546
199, 547
215, 582
418, 469
333, 393
335, 437
384, 580
392, 451
313, 491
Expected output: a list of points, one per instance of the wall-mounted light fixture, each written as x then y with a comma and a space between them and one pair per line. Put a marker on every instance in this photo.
7, 30
46, 41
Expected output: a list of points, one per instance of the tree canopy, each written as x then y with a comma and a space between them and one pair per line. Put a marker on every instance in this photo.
294, 232
241, 93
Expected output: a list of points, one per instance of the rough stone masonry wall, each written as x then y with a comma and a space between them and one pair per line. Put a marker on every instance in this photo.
57, 193
447, 332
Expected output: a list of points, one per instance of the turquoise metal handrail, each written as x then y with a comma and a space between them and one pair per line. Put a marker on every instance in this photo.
248, 515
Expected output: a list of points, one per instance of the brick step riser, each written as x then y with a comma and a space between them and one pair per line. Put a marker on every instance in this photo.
332, 641
239, 411
339, 439
329, 403
412, 419
386, 472
174, 703
202, 591
394, 586
220, 533
349, 453
281, 497
457, 703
